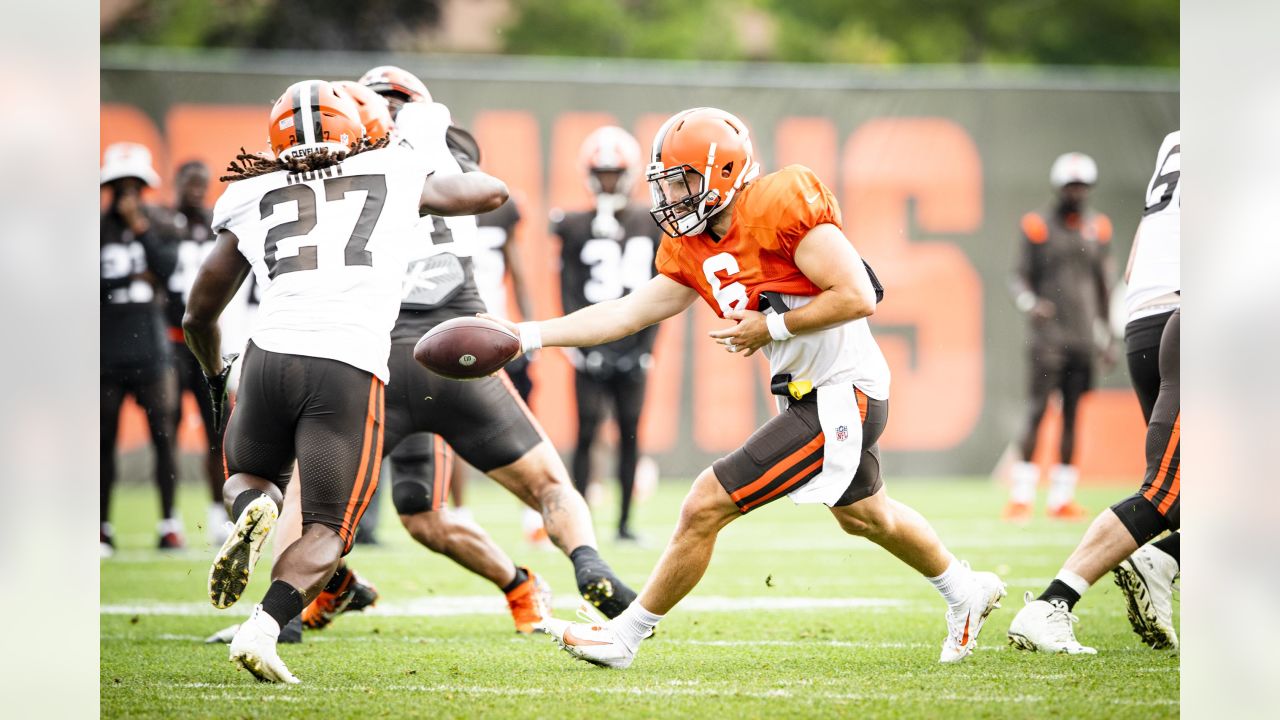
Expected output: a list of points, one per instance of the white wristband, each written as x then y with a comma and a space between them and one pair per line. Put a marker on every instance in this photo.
778, 326
530, 336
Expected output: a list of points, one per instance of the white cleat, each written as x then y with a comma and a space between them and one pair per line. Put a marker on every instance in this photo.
1146, 579
254, 649
965, 621
1043, 626
229, 574
596, 644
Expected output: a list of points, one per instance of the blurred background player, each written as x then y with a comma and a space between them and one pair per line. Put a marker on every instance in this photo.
191, 219
1062, 284
136, 261
607, 252
1117, 539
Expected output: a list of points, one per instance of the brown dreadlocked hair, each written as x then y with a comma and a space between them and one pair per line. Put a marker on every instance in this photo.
248, 165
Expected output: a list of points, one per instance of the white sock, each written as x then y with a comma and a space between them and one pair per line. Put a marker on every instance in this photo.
955, 583
1025, 478
1073, 581
634, 624
1062, 485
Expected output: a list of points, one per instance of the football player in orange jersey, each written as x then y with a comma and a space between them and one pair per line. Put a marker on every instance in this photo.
767, 253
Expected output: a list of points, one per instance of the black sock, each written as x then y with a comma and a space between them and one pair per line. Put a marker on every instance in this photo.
339, 577
1059, 590
521, 576
585, 557
242, 501
1170, 545
282, 602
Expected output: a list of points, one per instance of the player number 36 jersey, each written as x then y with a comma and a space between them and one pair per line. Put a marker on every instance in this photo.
771, 216
329, 249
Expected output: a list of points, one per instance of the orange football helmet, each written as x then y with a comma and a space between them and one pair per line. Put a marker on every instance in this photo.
386, 79
375, 114
701, 158
610, 149
312, 115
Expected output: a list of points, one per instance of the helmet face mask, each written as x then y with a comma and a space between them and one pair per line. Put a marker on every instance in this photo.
701, 158
679, 201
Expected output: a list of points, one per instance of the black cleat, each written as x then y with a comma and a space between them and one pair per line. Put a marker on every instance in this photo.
607, 594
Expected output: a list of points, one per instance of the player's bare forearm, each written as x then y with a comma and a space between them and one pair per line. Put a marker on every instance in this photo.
462, 194
217, 281
833, 306
656, 300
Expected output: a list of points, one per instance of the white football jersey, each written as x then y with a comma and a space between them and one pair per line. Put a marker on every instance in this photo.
1156, 266
329, 249
421, 127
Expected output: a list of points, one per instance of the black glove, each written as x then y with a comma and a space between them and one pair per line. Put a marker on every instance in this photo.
218, 392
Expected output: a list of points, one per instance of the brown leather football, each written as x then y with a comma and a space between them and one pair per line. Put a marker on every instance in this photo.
466, 348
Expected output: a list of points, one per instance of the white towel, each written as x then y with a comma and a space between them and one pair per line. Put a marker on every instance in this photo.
841, 423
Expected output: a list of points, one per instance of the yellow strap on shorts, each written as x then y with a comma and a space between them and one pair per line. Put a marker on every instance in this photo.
799, 388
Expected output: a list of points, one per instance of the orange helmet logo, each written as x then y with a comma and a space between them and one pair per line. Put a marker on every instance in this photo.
391, 79
313, 115
375, 114
701, 158
610, 149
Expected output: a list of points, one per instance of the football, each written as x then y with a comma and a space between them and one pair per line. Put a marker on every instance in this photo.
466, 348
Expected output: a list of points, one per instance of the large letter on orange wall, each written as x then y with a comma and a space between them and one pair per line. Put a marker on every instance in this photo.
930, 287
214, 135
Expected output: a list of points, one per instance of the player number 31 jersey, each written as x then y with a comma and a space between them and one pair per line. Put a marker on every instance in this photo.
757, 256
329, 249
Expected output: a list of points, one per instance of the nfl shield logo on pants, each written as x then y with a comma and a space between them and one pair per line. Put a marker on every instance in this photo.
842, 433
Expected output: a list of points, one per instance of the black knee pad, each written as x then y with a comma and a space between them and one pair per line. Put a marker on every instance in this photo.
1140, 518
410, 497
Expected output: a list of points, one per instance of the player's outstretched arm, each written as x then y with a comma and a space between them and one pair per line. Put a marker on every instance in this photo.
217, 281
462, 194
655, 301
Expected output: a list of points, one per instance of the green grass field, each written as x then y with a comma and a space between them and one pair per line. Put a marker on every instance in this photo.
793, 619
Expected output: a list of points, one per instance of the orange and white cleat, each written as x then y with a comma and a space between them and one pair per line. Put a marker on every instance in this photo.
965, 621
1016, 512
597, 644
530, 603
1070, 511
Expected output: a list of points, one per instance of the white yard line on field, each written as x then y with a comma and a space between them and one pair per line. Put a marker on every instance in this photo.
439, 606
684, 689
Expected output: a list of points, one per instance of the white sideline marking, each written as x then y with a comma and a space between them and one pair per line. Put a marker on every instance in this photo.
496, 605
686, 688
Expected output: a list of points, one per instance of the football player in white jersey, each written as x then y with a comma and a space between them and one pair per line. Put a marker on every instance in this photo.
1118, 538
326, 227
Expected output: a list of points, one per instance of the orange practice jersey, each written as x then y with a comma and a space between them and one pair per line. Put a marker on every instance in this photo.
772, 215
